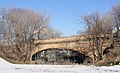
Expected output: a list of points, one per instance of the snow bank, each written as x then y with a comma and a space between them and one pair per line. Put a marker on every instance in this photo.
4, 62
6, 67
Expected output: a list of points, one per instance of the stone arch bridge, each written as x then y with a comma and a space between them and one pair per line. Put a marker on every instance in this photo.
76, 43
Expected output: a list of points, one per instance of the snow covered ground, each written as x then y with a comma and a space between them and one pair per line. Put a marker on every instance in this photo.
6, 67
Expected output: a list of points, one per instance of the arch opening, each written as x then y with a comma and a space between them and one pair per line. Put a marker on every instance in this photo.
58, 56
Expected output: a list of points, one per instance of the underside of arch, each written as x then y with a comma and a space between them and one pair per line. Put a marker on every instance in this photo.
59, 56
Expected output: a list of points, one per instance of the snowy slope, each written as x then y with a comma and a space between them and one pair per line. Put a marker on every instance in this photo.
6, 67
3, 62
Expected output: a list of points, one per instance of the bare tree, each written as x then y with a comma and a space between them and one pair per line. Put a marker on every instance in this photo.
49, 32
20, 27
23, 23
97, 31
116, 17
3, 25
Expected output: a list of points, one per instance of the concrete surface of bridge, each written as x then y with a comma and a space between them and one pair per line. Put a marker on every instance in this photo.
76, 43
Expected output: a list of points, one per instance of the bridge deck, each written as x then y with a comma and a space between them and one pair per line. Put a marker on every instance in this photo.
60, 40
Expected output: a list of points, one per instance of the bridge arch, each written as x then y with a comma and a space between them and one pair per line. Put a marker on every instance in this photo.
58, 55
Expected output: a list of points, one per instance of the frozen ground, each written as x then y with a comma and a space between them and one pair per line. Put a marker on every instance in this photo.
6, 67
